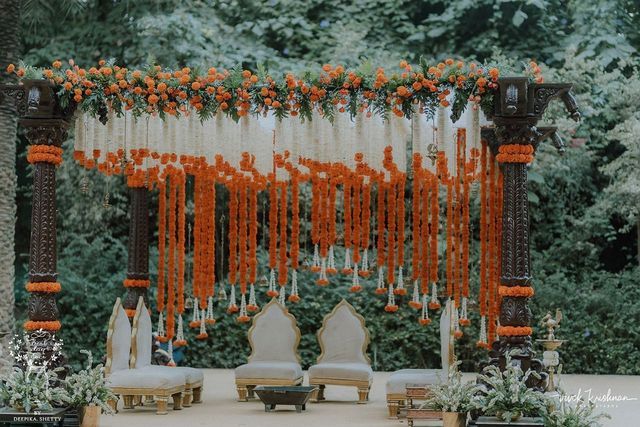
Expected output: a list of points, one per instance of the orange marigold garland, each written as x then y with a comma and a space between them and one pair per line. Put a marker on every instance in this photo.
348, 226
45, 154
513, 331
484, 233
233, 244
364, 229
380, 288
47, 287
243, 317
253, 244
282, 223
333, 235
171, 293
295, 236
181, 181
415, 216
273, 236
400, 289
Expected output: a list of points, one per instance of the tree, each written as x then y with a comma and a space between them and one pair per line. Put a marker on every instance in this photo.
9, 53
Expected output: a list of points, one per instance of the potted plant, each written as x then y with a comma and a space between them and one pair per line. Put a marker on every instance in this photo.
31, 389
89, 394
453, 398
580, 414
505, 395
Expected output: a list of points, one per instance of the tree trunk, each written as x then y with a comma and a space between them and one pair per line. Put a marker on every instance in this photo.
638, 239
9, 53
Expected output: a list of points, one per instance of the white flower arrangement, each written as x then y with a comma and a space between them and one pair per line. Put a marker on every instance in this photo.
455, 395
32, 385
578, 414
505, 394
89, 388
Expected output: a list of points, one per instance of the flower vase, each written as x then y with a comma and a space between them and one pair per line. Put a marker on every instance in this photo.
90, 416
454, 419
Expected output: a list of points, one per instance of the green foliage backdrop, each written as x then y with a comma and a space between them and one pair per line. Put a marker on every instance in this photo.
585, 205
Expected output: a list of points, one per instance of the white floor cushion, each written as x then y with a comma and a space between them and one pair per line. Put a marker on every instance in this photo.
140, 378
399, 380
191, 375
347, 371
270, 370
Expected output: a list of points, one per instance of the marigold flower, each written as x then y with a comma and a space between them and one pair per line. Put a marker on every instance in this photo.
57, 64
11, 68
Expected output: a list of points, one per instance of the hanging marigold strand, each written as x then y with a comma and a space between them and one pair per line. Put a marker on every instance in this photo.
380, 232
242, 235
450, 235
401, 213
171, 259
364, 229
162, 223
181, 238
324, 216
426, 231
332, 211
415, 217
356, 203
273, 224
391, 230
197, 218
233, 232
457, 213
282, 268
348, 239
212, 238
433, 229
483, 233
253, 232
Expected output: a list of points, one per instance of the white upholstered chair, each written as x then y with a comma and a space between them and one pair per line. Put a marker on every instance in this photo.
399, 381
141, 341
129, 383
343, 360
274, 338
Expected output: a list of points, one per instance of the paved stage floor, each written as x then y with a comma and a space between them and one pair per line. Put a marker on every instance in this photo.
220, 408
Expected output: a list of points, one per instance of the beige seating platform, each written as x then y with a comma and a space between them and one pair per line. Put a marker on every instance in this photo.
400, 380
274, 338
343, 360
141, 357
129, 383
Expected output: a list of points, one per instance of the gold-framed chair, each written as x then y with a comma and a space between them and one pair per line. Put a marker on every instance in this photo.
399, 381
274, 337
141, 340
343, 360
130, 383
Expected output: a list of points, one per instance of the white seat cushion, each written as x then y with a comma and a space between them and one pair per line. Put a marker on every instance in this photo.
399, 380
145, 379
190, 375
269, 370
346, 371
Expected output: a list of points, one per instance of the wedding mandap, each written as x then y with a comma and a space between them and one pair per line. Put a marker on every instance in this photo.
374, 171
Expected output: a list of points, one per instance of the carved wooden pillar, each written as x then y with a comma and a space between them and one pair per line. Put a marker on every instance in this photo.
137, 281
45, 126
514, 141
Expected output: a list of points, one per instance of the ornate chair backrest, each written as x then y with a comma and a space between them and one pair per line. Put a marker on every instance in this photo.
274, 335
343, 337
141, 337
447, 354
118, 340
